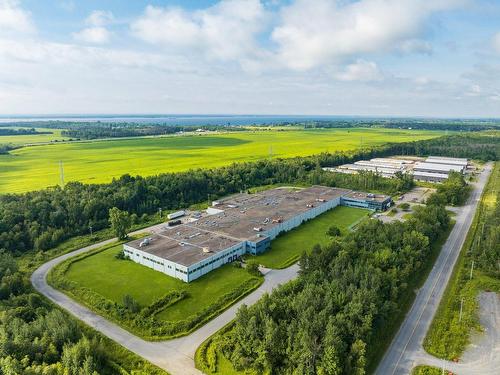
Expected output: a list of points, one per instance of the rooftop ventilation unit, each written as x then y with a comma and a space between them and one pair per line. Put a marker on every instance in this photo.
145, 242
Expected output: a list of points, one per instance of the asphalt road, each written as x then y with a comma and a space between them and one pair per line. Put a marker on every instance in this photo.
174, 356
406, 349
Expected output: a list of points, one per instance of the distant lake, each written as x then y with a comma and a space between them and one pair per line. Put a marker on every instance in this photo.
179, 119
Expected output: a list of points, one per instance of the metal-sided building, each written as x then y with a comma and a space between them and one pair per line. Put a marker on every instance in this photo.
244, 223
448, 161
429, 177
437, 168
377, 202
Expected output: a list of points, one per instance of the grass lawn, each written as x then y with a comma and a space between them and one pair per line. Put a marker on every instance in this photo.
36, 167
287, 248
113, 278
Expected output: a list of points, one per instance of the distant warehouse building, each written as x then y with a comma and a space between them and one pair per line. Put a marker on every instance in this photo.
429, 177
437, 168
449, 161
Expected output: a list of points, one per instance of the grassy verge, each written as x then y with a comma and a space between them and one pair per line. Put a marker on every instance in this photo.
449, 335
286, 249
167, 307
427, 370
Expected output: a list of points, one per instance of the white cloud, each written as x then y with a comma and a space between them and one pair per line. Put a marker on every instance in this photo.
100, 18
496, 42
15, 19
474, 90
316, 32
93, 35
226, 31
96, 33
416, 46
361, 70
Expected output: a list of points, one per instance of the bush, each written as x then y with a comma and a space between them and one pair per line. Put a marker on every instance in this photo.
333, 231
405, 206
130, 303
253, 268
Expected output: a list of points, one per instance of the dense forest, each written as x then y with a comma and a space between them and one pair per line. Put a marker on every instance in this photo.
22, 131
326, 321
96, 131
451, 125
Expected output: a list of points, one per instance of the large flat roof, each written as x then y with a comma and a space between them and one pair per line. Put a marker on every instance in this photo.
243, 212
449, 161
438, 167
184, 244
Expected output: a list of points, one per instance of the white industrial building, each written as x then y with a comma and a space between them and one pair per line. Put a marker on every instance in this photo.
447, 161
243, 223
386, 167
437, 168
429, 177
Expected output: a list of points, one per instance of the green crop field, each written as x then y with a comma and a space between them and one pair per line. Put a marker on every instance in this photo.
287, 248
20, 140
36, 167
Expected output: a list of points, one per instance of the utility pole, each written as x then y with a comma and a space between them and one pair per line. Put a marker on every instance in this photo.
61, 172
159, 212
471, 269
442, 371
271, 152
90, 228
461, 309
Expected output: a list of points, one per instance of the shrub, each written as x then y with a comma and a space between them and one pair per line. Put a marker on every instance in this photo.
333, 231
253, 268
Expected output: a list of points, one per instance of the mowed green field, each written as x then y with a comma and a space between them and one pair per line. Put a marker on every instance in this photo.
36, 167
113, 278
32, 138
287, 248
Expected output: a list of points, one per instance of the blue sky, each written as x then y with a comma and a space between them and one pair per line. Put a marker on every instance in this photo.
338, 57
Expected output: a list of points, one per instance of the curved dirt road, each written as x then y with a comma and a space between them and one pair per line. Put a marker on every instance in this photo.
174, 356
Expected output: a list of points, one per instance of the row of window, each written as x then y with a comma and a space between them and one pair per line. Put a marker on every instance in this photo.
213, 260
153, 260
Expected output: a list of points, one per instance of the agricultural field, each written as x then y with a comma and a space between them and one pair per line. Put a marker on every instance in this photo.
36, 167
29, 139
287, 248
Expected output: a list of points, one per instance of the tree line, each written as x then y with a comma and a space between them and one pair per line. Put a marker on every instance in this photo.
327, 321
21, 131
113, 130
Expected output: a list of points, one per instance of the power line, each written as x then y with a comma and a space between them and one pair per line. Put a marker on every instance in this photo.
61, 172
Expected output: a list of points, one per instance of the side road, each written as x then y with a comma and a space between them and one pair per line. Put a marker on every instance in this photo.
174, 356
406, 348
